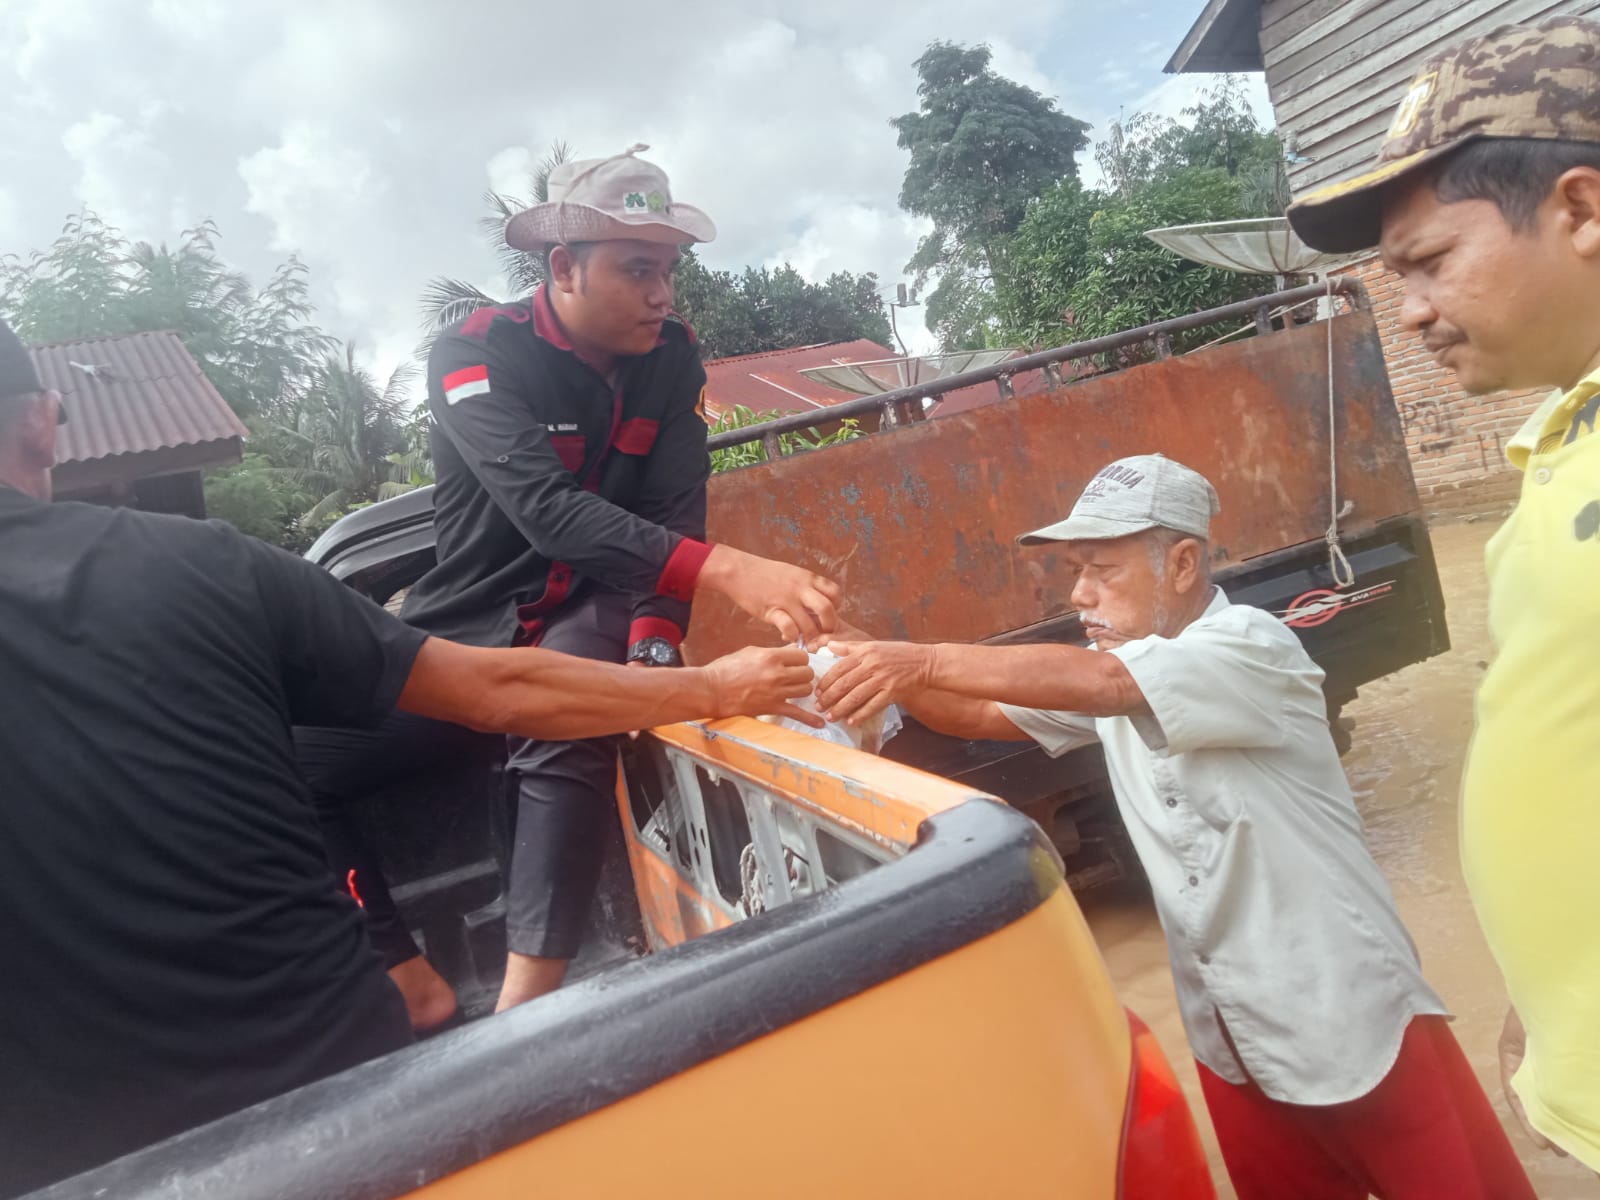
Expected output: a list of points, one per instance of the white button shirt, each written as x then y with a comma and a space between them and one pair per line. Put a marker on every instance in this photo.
1277, 918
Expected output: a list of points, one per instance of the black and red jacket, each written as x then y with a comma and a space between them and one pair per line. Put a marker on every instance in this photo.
550, 479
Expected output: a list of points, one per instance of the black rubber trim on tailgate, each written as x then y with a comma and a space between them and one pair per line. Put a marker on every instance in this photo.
390, 1126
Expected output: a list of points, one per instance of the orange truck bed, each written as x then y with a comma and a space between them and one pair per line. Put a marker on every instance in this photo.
937, 1023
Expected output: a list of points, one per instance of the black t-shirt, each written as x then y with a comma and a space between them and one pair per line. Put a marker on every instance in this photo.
172, 942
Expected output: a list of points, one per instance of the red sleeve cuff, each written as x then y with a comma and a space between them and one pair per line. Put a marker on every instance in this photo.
682, 571
649, 627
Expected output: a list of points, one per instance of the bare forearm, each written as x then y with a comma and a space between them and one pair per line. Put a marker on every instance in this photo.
1062, 678
541, 694
962, 716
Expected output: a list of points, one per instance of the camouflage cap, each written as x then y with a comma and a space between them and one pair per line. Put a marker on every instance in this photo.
1517, 81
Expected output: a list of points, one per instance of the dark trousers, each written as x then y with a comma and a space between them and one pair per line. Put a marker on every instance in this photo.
565, 800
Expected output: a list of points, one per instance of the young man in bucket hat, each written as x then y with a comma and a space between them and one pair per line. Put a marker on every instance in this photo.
1486, 201
1325, 1058
569, 446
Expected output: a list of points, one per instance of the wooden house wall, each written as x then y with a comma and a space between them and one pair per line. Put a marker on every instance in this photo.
1336, 69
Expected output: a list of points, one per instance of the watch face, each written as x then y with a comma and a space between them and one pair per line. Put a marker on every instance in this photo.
658, 652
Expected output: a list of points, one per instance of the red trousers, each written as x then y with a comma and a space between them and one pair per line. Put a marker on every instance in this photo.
1427, 1132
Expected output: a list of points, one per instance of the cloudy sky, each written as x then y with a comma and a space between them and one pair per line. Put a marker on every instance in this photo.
361, 135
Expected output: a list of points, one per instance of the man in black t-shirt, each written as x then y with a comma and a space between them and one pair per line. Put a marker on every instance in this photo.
175, 945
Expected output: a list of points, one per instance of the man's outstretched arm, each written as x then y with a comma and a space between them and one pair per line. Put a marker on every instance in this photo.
874, 675
543, 694
943, 711
961, 716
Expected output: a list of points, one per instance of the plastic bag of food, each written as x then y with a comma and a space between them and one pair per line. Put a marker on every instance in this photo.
869, 735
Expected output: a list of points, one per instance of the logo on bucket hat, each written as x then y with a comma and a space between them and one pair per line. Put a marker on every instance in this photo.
608, 199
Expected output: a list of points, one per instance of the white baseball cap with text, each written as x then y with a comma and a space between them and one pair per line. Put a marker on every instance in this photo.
1132, 495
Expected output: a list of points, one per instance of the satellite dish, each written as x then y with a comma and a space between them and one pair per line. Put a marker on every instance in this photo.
890, 374
1261, 246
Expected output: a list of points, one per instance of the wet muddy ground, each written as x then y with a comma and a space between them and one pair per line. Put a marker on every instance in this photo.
1405, 767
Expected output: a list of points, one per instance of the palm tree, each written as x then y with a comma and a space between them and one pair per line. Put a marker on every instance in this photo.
259, 349
188, 289
278, 353
346, 435
1264, 185
414, 464
447, 300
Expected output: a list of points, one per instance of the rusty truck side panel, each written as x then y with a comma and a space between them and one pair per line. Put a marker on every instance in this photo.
917, 522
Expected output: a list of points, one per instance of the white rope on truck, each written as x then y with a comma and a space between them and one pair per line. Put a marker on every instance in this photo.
1343, 574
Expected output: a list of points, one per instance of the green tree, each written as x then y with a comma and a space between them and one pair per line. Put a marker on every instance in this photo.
322, 433
414, 464
345, 436
748, 454
262, 499
1084, 267
1218, 130
1080, 263
75, 289
276, 359
776, 308
188, 289
257, 348
982, 146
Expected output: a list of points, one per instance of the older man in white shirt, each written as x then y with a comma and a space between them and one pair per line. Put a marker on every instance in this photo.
1324, 1055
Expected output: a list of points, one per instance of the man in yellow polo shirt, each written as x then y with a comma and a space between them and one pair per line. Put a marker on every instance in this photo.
1486, 200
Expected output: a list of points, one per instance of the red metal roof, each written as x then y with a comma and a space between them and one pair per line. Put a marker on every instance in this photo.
771, 381
131, 395
979, 394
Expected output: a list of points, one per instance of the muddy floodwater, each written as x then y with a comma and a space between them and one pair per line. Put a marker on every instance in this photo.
1405, 767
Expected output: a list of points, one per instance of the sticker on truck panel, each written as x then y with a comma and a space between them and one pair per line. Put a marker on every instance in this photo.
1320, 606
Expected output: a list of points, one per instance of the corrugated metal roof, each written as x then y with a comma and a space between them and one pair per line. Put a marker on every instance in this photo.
979, 394
131, 395
771, 381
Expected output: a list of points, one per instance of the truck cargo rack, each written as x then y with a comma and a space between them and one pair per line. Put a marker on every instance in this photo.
905, 405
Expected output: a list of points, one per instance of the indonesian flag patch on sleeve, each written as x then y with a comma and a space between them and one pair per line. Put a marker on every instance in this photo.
467, 382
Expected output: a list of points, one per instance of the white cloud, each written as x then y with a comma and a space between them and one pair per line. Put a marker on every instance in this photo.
329, 203
361, 134
192, 20
9, 219
44, 28
859, 238
510, 170
310, 186
124, 176
1020, 65
1179, 92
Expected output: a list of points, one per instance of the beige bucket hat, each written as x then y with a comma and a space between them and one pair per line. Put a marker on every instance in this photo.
607, 200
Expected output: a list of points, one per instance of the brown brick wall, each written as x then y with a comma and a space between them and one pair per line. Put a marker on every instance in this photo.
1457, 441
